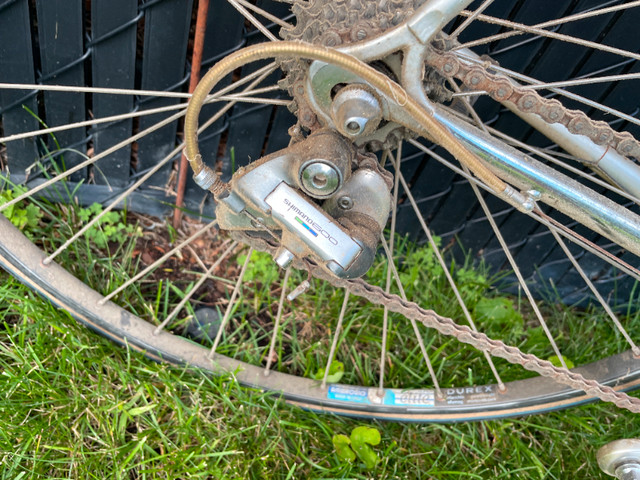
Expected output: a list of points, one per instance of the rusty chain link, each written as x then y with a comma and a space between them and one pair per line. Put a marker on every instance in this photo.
527, 100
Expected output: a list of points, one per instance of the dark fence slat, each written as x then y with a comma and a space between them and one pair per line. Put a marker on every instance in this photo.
60, 32
113, 66
224, 34
166, 32
16, 66
248, 123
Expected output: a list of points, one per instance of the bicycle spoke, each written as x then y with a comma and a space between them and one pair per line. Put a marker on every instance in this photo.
159, 262
276, 324
447, 274
592, 287
436, 250
416, 330
253, 20
336, 335
572, 96
551, 23
92, 160
469, 20
227, 313
265, 14
96, 121
543, 219
203, 277
392, 234
552, 158
564, 83
516, 270
83, 89
143, 179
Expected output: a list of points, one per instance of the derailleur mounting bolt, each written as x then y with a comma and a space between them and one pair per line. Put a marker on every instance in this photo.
356, 111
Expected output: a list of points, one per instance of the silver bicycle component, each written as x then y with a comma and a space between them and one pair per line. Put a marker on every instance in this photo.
284, 258
314, 228
345, 203
568, 196
320, 179
621, 459
429, 19
356, 111
268, 194
561, 192
366, 189
299, 290
619, 169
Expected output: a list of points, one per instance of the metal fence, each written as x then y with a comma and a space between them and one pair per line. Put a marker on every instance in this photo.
119, 44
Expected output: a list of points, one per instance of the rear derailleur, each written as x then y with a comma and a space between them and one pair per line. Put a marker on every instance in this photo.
319, 199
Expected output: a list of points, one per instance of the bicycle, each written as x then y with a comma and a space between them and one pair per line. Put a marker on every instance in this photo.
326, 93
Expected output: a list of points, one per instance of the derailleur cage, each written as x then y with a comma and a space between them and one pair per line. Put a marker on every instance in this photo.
321, 198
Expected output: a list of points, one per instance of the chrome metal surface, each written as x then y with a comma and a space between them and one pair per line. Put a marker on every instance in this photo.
284, 258
356, 111
619, 169
345, 202
621, 458
325, 238
429, 19
557, 190
368, 193
320, 179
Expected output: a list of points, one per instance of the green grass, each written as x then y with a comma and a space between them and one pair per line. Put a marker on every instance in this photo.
74, 406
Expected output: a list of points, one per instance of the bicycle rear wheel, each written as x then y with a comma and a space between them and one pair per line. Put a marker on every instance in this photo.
405, 395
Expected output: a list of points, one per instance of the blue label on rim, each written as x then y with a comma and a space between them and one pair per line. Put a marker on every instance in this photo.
390, 397
346, 393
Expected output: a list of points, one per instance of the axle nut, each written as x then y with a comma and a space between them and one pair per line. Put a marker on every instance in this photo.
356, 111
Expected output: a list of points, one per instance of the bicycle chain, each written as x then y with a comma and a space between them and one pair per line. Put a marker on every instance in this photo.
527, 100
462, 333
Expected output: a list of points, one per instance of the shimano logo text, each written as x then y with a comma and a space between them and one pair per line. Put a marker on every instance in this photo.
311, 223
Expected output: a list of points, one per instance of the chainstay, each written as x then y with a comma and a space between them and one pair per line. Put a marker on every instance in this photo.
462, 333
527, 100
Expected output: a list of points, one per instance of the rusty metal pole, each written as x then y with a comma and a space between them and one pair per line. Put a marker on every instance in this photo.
196, 63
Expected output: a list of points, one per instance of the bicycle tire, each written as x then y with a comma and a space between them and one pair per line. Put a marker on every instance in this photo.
20, 257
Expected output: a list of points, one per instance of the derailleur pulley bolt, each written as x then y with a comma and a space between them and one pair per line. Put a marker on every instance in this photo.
345, 203
299, 290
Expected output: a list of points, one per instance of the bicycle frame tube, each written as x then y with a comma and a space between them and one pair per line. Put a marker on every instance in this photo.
622, 171
556, 189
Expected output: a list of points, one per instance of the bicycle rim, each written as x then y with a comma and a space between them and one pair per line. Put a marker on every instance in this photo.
414, 401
